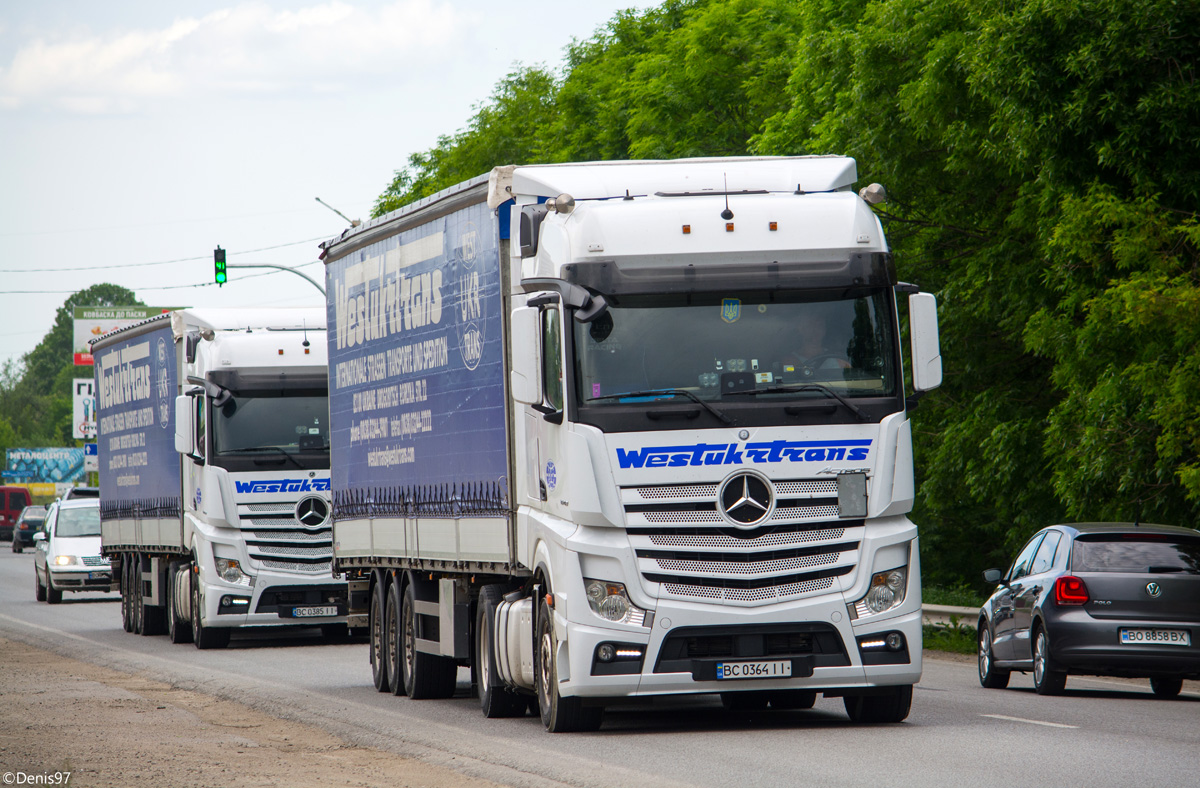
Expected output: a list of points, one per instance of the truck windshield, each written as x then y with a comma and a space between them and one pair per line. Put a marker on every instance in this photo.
262, 430
738, 347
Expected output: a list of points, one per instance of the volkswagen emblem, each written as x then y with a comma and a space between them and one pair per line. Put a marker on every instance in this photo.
746, 499
1154, 589
312, 512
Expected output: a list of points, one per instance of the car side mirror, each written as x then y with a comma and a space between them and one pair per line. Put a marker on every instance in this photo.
40, 536
992, 576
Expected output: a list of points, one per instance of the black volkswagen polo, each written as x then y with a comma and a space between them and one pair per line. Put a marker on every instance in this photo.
1101, 599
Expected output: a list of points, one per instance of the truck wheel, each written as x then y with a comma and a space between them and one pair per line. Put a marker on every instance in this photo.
126, 604
494, 698
205, 637
559, 714
425, 675
393, 650
39, 590
154, 617
136, 602
178, 630
891, 707
375, 628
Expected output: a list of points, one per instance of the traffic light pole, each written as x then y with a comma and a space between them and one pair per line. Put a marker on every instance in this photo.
311, 281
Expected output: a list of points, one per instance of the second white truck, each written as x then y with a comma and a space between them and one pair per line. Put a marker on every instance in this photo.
621, 429
213, 435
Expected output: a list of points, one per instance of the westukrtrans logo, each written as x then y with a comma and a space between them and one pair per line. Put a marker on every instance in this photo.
283, 485
755, 453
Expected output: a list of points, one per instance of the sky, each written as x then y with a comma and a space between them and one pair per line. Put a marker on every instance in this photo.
138, 135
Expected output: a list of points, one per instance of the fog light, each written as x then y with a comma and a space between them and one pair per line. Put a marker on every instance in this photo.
607, 652
895, 641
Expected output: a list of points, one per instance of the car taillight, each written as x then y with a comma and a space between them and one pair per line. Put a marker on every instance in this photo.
1069, 590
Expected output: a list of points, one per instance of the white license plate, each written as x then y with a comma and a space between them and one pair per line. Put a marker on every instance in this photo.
1157, 637
780, 669
309, 612
99, 576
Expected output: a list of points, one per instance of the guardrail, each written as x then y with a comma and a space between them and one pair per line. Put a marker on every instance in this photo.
942, 614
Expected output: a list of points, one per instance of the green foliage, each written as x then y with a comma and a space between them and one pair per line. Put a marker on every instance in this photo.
955, 637
957, 596
35, 394
1044, 171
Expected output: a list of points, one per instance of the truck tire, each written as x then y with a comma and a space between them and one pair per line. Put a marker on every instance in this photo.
154, 618
126, 606
178, 630
495, 699
393, 650
375, 630
425, 675
890, 707
39, 590
136, 606
559, 714
205, 637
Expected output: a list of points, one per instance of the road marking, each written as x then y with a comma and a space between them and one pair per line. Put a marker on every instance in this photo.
1031, 722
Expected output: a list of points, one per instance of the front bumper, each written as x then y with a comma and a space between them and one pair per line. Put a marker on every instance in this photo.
274, 601
818, 639
84, 579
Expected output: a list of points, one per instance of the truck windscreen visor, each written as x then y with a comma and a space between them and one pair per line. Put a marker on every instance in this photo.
632, 276
275, 380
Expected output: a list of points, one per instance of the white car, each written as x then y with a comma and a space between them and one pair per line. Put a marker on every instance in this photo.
68, 552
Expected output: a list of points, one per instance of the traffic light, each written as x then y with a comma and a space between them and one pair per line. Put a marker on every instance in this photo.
219, 265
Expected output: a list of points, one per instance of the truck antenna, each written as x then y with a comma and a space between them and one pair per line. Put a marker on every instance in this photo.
726, 214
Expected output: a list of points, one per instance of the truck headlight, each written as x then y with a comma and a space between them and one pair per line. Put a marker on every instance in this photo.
230, 571
65, 560
609, 601
886, 592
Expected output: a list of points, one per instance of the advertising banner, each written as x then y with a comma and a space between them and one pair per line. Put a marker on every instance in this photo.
135, 392
92, 321
48, 465
83, 395
416, 373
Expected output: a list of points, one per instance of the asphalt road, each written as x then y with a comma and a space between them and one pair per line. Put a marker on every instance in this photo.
1103, 732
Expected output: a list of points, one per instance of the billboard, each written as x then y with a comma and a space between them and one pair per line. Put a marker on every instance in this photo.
46, 465
93, 321
83, 396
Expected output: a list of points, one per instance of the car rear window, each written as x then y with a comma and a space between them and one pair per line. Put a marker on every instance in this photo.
1135, 553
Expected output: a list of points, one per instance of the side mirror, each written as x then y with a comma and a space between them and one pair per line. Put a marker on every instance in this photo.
926, 346
992, 576
184, 439
40, 536
525, 374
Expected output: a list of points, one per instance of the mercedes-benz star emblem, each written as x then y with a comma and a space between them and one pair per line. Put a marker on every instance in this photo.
312, 512
746, 499
1154, 589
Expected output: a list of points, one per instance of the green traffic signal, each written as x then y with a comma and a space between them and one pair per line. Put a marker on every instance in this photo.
219, 265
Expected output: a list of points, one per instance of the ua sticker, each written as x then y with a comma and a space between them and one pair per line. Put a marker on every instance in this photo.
731, 309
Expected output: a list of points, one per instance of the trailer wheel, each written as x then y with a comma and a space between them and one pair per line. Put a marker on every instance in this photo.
126, 603
379, 659
178, 630
205, 637
559, 714
494, 698
393, 649
425, 675
136, 603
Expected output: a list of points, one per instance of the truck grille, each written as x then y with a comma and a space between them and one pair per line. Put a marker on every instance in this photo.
278, 541
686, 546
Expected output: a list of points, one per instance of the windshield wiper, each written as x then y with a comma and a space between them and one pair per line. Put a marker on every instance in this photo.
806, 387
674, 392
256, 449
